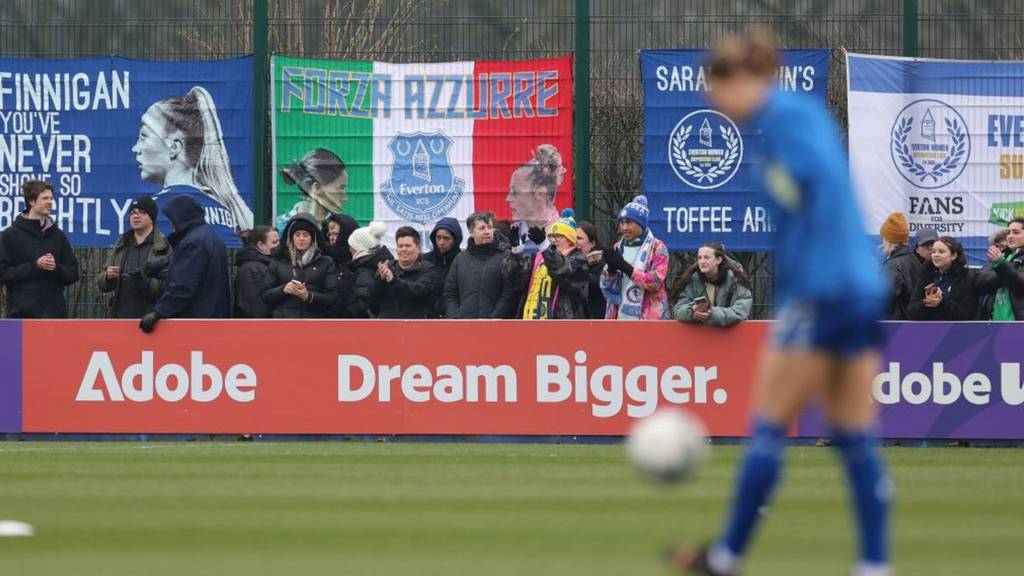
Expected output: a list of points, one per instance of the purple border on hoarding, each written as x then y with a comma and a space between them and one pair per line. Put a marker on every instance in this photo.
962, 349
10, 376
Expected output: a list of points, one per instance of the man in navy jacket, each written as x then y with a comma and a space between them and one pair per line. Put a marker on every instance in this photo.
197, 273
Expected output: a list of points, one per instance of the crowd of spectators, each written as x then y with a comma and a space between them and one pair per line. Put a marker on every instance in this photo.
332, 268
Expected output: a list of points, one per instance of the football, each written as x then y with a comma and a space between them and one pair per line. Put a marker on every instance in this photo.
668, 446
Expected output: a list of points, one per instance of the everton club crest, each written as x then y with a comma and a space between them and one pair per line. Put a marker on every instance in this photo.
930, 144
422, 187
705, 149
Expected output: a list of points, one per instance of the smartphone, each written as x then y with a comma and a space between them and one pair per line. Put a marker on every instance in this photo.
294, 281
700, 301
595, 256
930, 288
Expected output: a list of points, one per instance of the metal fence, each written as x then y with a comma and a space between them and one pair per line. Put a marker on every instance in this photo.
610, 33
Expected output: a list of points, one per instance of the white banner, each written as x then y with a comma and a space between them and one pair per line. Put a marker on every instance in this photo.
941, 141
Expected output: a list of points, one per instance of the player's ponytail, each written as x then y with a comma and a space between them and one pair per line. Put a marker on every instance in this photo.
213, 171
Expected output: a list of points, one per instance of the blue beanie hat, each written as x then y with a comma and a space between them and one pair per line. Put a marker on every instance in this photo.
636, 211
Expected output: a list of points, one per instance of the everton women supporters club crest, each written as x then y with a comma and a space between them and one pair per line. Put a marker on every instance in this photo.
705, 149
422, 187
930, 143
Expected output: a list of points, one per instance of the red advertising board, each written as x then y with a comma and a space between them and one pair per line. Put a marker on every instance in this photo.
377, 377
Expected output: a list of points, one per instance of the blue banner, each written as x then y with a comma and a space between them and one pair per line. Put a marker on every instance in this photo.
105, 131
701, 169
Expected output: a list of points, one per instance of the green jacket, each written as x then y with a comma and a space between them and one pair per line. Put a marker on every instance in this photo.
726, 310
116, 257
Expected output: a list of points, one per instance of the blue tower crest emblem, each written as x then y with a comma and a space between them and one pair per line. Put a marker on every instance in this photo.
422, 187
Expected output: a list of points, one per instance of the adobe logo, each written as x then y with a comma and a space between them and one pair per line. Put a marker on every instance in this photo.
170, 382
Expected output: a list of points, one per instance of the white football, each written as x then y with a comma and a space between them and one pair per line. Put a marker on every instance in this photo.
669, 445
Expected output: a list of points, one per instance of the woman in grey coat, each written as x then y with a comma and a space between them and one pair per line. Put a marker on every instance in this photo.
714, 291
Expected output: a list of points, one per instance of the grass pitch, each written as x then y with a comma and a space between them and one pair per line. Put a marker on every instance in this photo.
296, 509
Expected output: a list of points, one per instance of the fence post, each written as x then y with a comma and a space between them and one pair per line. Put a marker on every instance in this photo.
910, 28
581, 83
260, 64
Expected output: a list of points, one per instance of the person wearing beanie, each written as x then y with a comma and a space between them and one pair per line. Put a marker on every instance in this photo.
133, 293
901, 264
301, 281
637, 260
554, 282
358, 296
446, 238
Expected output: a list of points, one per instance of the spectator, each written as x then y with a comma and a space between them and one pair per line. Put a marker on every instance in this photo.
337, 228
197, 271
901, 264
556, 278
447, 241
251, 271
715, 290
638, 260
923, 245
475, 287
1003, 277
301, 282
135, 293
357, 298
408, 286
998, 239
590, 246
36, 259
945, 291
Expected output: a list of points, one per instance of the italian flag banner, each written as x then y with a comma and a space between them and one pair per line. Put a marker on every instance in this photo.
409, 144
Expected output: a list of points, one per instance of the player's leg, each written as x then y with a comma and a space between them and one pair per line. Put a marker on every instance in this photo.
853, 416
788, 379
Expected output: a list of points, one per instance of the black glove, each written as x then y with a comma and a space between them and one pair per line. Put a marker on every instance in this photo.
536, 234
148, 322
139, 283
616, 262
156, 265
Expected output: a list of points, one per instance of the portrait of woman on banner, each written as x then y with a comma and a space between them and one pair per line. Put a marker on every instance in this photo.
181, 149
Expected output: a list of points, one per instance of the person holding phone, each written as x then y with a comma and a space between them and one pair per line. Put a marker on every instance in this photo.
714, 291
301, 281
945, 290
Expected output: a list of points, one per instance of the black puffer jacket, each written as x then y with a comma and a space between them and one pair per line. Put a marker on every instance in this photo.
596, 304
961, 303
339, 251
904, 269
569, 272
31, 292
442, 261
475, 287
360, 291
411, 294
1008, 274
314, 269
250, 281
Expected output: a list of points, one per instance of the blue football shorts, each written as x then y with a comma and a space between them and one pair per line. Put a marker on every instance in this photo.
844, 328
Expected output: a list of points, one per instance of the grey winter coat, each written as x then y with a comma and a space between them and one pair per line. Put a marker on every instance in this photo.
732, 304
903, 268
